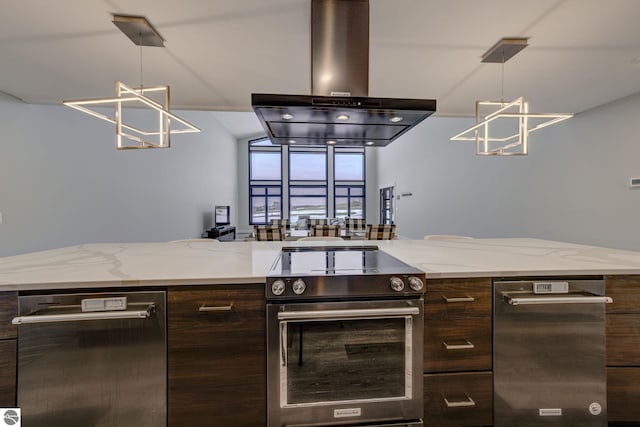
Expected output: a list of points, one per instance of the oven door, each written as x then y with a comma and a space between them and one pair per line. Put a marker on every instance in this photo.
336, 363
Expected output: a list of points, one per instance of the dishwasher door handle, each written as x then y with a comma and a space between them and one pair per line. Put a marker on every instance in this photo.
94, 315
557, 300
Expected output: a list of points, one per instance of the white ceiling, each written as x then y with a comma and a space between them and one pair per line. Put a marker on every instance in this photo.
581, 54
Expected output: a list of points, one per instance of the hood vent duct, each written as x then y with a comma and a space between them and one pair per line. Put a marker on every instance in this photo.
340, 48
339, 112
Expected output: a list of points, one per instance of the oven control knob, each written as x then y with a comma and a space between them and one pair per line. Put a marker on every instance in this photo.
396, 284
277, 287
415, 283
299, 287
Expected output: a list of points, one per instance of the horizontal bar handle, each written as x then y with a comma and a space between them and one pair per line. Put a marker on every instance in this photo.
466, 346
459, 404
461, 299
94, 315
558, 300
206, 308
347, 314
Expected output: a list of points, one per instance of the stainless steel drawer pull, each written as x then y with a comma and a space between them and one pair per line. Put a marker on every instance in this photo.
466, 346
80, 316
459, 404
558, 300
461, 299
206, 308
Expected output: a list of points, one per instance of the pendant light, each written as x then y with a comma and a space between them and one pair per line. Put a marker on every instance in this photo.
503, 128
135, 131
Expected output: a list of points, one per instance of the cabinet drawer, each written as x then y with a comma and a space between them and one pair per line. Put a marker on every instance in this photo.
8, 310
457, 345
623, 339
623, 394
457, 298
625, 291
463, 399
8, 360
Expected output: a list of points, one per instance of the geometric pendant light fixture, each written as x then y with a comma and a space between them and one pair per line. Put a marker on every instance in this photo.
142, 115
503, 128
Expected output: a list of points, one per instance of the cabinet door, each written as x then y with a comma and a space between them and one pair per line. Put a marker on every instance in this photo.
623, 395
8, 373
216, 356
462, 399
8, 310
623, 339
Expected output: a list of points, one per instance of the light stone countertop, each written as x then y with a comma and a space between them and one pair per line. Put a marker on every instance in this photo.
212, 262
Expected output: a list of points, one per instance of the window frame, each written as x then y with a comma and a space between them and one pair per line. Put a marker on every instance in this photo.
264, 184
350, 184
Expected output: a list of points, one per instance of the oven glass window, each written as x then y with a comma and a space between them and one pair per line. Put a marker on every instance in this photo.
342, 360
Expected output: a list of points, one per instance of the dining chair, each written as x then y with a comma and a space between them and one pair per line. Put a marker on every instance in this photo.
355, 224
325, 230
312, 222
269, 233
281, 222
380, 232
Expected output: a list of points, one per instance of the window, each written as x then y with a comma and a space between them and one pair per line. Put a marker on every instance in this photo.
349, 201
307, 166
266, 203
265, 182
321, 182
349, 187
307, 182
307, 200
349, 165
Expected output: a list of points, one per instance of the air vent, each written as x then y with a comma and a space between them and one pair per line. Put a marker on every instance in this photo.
634, 183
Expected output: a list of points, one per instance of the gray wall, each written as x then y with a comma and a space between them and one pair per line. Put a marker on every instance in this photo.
62, 182
573, 185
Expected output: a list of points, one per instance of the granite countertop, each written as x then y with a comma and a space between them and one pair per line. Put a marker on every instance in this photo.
213, 262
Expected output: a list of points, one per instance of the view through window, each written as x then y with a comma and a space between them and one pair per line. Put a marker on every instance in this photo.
314, 182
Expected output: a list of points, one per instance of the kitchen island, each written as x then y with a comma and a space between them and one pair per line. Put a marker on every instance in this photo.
211, 262
212, 354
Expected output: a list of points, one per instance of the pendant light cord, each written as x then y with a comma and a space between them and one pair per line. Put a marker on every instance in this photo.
141, 81
502, 80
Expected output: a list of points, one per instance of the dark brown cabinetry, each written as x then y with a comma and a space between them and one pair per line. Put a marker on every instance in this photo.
458, 399
623, 349
8, 356
457, 353
216, 356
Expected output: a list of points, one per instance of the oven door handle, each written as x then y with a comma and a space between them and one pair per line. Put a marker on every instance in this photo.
348, 314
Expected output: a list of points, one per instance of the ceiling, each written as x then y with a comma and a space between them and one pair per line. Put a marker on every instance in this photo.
581, 53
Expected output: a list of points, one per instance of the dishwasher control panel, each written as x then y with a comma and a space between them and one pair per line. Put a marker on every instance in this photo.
104, 304
550, 287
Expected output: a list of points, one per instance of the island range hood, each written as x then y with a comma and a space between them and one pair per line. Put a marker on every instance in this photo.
339, 112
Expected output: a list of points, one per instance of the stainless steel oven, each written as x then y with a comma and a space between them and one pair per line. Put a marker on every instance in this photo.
345, 337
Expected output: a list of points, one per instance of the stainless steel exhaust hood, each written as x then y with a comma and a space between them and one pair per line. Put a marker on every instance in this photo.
339, 112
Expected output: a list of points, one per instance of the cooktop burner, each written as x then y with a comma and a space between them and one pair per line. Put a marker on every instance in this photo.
341, 271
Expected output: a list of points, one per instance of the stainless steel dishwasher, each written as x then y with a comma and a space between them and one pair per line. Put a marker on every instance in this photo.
549, 353
92, 359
